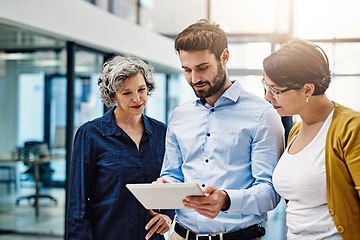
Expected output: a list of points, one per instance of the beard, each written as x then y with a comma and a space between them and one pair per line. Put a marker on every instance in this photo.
215, 85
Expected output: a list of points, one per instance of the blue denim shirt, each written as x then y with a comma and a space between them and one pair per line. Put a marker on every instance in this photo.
104, 160
234, 146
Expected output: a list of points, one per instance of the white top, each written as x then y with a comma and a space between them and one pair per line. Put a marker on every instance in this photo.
301, 179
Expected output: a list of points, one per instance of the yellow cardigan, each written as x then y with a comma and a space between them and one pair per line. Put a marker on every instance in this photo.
342, 161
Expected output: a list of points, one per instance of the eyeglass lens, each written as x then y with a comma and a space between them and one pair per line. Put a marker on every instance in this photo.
267, 88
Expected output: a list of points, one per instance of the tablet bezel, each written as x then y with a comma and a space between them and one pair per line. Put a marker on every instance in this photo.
164, 195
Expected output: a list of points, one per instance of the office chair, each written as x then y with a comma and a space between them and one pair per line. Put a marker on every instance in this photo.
35, 149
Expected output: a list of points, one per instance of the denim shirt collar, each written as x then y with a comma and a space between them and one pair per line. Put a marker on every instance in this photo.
109, 126
230, 96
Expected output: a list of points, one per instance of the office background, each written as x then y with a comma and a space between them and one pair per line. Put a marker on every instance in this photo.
52, 51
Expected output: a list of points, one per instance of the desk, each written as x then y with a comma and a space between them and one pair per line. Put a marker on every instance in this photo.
35, 161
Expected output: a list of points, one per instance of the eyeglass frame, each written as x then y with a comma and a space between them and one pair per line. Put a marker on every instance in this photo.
273, 91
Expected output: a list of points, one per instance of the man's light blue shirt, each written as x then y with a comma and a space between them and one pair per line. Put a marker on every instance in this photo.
234, 146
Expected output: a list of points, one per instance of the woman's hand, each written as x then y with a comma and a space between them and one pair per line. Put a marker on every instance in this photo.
159, 223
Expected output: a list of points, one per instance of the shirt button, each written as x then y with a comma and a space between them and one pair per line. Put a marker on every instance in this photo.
203, 185
331, 211
208, 134
212, 110
207, 160
340, 229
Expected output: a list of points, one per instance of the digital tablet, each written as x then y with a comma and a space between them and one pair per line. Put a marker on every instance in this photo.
164, 195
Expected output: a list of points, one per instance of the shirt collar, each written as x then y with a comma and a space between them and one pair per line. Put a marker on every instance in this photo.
109, 126
231, 95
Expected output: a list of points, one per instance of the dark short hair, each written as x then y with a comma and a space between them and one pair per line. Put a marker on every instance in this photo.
202, 35
298, 62
117, 71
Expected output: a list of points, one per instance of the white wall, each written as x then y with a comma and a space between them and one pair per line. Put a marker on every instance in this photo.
172, 16
86, 24
238, 16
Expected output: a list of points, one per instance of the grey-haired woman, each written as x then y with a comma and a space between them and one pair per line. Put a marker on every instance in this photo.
124, 146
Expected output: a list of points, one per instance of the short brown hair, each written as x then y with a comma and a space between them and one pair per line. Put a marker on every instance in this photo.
202, 35
298, 62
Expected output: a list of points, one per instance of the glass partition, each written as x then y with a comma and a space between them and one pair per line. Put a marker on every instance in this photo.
324, 19
156, 104
345, 91
30, 103
87, 104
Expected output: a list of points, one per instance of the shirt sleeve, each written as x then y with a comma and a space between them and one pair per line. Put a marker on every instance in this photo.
78, 223
266, 148
171, 168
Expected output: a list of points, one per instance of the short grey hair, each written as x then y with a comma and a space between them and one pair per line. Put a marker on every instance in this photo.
117, 71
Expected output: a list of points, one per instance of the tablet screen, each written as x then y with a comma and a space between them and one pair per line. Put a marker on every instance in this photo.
164, 195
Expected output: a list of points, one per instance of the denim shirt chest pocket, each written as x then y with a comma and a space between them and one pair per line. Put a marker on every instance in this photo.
152, 160
113, 170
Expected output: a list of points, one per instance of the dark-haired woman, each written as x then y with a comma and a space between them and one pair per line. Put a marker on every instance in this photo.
319, 172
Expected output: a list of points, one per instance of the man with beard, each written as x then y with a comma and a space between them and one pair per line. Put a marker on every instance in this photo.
227, 140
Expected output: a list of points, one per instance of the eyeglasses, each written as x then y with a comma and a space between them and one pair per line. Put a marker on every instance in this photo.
273, 91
